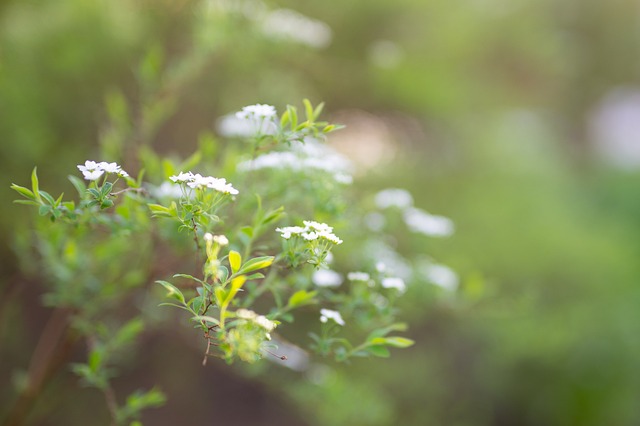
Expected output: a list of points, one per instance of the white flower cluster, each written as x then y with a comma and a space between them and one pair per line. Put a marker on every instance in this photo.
327, 314
417, 220
92, 170
310, 155
259, 119
326, 278
358, 276
198, 181
260, 320
394, 282
259, 111
311, 231
292, 25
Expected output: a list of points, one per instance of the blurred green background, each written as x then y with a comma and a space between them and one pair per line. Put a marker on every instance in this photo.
519, 119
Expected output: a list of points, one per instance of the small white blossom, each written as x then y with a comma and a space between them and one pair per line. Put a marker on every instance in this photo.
288, 231
442, 276
221, 240
289, 24
422, 222
327, 314
92, 174
394, 282
182, 177
246, 314
326, 278
393, 197
92, 170
197, 181
310, 236
257, 111
265, 323
329, 236
208, 237
322, 227
358, 276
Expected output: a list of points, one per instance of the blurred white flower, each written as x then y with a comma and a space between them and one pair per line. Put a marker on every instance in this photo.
327, 314
358, 276
288, 231
424, 223
614, 128
286, 23
258, 111
394, 282
304, 157
375, 221
208, 236
166, 190
220, 240
326, 278
393, 197
442, 276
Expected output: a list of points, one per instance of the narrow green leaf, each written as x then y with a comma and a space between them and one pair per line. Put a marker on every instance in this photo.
301, 297
379, 351
48, 197
173, 291
308, 109
318, 110
255, 263
78, 184
23, 191
381, 332
29, 202
399, 342
235, 260
206, 319
34, 184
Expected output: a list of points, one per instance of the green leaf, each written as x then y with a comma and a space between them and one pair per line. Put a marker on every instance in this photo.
293, 114
318, 110
23, 191
48, 197
106, 189
379, 351
206, 318
284, 119
34, 184
29, 202
255, 263
128, 332
159, 211
78, 184
173, 291
190, 277
308, 109
396, 342
381, 332
235, 261
44, 210
301, 297
94, 193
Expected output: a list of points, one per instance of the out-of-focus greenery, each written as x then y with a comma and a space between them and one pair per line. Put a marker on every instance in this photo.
485, 103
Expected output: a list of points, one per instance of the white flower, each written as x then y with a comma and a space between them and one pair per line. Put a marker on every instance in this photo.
310, 236
92, 170
182, 177
422, 222
358, 276
326, 278
327, 314
393, 197
289, 24
265, 323
221, 240
442, 276
92, 174
310, 156
329, 236
246, 314
322, 227
208, 236
288, 231
257, 111
197, 181
394, 282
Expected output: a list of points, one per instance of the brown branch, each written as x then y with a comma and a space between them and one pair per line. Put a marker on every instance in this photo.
52, 351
